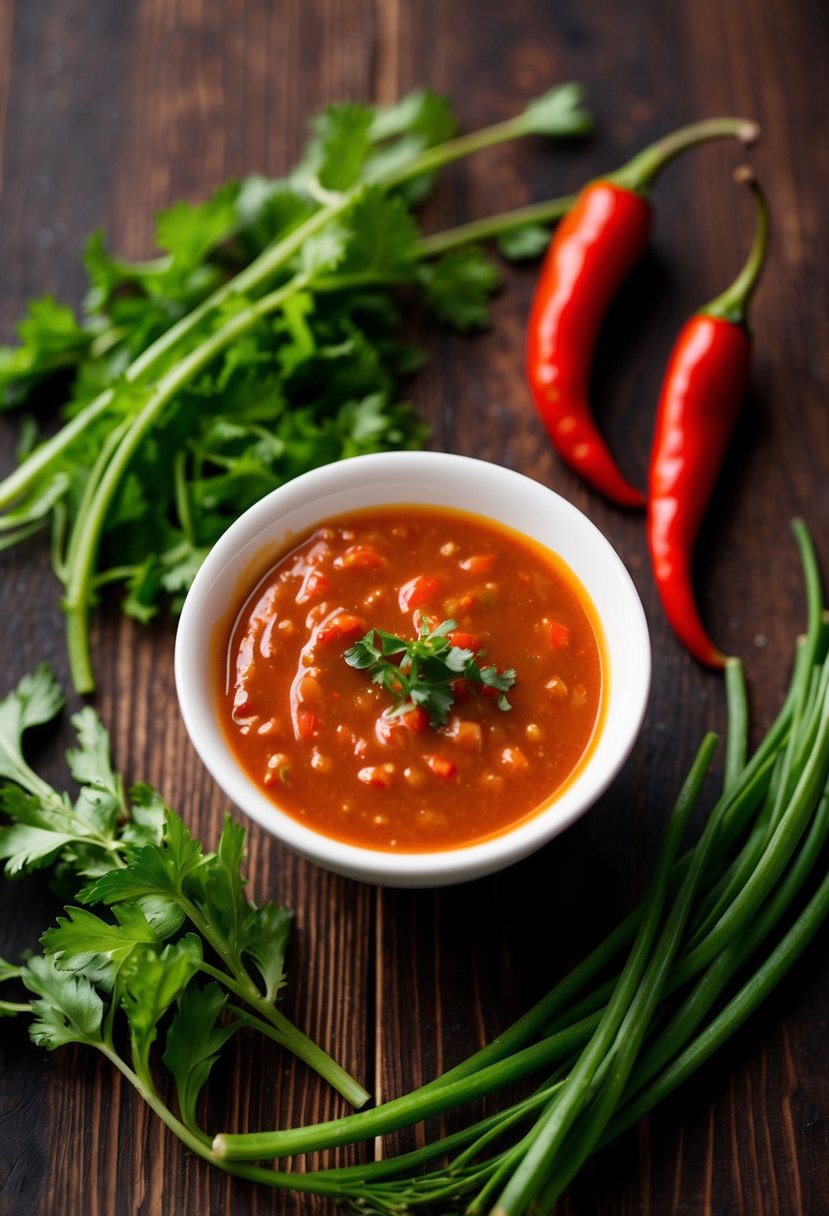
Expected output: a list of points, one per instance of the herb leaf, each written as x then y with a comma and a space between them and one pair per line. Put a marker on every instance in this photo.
559, 112
425, 671
266, 945
82, 942
68, 1009
37, 699
194, 1042
459, 286
529, 241
151, 983
155, 869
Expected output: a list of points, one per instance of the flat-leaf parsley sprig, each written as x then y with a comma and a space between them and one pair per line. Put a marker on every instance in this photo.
425, 670
179, 915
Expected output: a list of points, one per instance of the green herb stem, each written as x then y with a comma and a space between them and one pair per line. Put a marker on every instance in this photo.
84, 542
491, 227
196, 1143
271, 1021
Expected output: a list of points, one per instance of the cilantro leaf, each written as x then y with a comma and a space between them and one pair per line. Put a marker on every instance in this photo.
188, 233
425, 670
323, 252
51, 340
402, 132
147, 810
223, 886
151, 982
519, 244
68, 1009
559, 112
193, 1043
101, 799
382, 236
36, 700
37, 837
155, 869
82, 942
267, 941
459, 286
341, 144
267, 211
85, 837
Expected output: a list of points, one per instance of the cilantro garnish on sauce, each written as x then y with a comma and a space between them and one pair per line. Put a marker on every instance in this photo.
425, 670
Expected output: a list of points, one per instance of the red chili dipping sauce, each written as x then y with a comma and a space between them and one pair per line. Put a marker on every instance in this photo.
322, 740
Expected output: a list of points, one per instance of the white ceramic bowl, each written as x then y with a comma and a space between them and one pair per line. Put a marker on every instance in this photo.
442, 480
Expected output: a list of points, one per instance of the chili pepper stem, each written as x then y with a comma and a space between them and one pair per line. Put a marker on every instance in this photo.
639, 174
733, 304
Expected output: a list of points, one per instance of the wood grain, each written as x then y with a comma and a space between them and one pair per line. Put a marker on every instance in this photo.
108, 112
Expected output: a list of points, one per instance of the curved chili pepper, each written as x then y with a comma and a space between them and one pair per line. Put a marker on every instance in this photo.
593, 250
699, 403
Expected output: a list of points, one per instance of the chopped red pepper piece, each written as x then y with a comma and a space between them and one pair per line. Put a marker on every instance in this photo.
376, 776
417, 591
442, 767
307, 725
464, 641
359, 557
340, 628
315, 585
416, 720
559, 636
478, 563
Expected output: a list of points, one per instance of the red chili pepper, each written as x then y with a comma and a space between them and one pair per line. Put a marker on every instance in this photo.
593, 250
699, 403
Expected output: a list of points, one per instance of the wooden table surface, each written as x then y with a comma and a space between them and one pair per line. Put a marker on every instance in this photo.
109, 111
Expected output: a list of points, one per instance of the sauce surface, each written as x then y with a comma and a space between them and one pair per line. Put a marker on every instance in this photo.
316, 735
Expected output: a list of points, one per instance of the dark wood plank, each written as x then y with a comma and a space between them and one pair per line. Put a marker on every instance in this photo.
108, 112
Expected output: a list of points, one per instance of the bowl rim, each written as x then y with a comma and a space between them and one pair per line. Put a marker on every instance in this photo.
266, 525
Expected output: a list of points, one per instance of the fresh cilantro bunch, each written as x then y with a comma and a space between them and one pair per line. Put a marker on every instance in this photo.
259, 344
423, 671
184, 958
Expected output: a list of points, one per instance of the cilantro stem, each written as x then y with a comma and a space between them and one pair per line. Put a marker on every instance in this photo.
12, 1007
182, 497
196, 1143
270, 1020
274, 1025
570, 121
491, 226
85, 539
